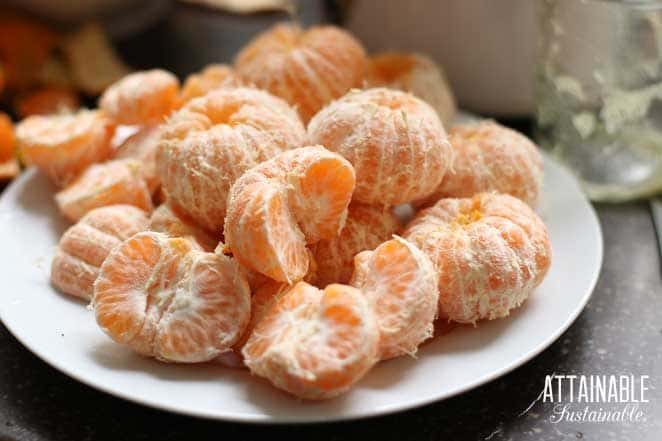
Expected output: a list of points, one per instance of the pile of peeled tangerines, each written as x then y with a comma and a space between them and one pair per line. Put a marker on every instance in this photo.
273, 243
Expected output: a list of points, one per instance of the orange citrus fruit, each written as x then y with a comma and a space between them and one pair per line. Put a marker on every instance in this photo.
416, 74
261, 300
279, 206
491, 157
394, 140
213, 140
308, 69
402, 285
62, 146
145, 97
165, 299
490, 251
165, 220
7, 138
312, 343
25, 44
47, 100
214, 76
365, 228
113, 182
85, 245
142, 146
9, 167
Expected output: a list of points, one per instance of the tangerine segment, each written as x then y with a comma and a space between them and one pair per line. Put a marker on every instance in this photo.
145, 97
307, 69
490, 252
279, 206
85, 245
165, 220
395, 142
113, 182
402, 284
261, 301
491, 157
165, 299
213, 140
142, 146
366, 227
62, 146
416, 74
263, 234
214, 76
312, 343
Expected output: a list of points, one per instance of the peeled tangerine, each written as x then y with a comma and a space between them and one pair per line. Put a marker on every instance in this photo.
307, 69
213, 140
264, 291
141, 146
401, 283
261, 300
62, 146
85, 245
113, 182
165, 299
214, 76
490, 251
416, 74
490, 157
365, 228
314, 343
145, 97
165, 220
395, 142
278, 207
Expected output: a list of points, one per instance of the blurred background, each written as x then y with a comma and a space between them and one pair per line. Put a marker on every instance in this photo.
489, 75
584, 77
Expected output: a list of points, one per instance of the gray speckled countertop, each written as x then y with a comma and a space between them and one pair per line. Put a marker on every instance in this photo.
620, 332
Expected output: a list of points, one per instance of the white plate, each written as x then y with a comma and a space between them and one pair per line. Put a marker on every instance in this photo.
62, 331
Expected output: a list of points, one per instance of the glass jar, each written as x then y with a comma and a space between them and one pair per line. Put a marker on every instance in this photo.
599, 93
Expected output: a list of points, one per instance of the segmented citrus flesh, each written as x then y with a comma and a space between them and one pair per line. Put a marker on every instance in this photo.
416, 74
145, 97
261, 300
113, 182
365, 228
142, 146
308, 69
278, 207
213, 140
212, 77
165, 220
314, 343
62, 146
165, 299
394, 140
490, 251
85, 245
401, 282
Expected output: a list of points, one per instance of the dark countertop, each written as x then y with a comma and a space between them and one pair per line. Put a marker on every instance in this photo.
620, 332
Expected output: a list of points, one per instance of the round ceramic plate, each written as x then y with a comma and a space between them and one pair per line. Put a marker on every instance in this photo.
62, 331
